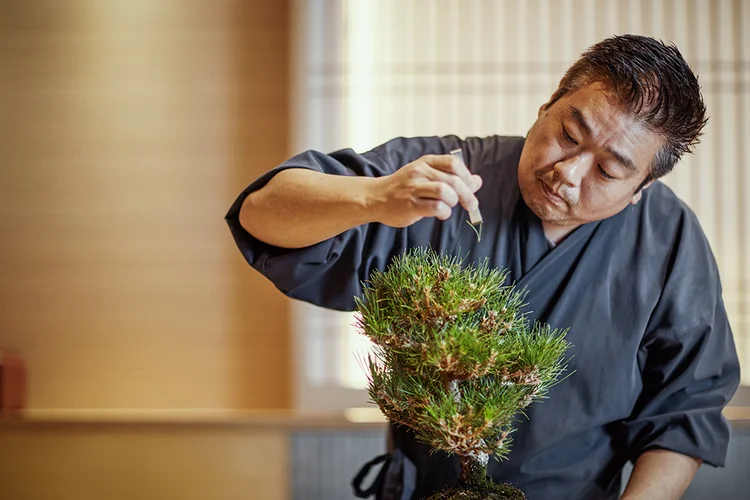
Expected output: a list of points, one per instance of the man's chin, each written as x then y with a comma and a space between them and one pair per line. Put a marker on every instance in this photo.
543, 209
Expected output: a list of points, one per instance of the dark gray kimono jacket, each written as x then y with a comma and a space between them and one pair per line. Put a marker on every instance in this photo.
653, 353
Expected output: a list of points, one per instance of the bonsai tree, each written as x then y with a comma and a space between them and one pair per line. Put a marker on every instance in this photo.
455, 359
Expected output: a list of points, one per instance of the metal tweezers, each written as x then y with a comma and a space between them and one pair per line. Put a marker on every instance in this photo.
475, 217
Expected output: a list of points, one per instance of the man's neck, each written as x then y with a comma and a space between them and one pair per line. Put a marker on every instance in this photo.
555, 234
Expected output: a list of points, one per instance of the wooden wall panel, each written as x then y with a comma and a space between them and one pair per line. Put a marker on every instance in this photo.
144, 462
126, 130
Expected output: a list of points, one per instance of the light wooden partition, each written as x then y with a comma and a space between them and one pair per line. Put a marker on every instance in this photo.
126, 130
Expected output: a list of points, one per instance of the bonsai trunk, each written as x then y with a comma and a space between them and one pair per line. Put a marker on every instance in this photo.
473, 465
474, 469
474, 484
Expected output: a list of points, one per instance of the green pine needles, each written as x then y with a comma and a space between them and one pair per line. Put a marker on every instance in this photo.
454, 358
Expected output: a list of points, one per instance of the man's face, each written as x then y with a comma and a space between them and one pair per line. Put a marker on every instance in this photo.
584, 158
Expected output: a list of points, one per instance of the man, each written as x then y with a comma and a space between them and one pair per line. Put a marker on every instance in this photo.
574, 211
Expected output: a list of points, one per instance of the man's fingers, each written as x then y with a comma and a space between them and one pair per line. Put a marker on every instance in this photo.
437, 190
450, 165
436, 183
433, 208
465, 195
477, 182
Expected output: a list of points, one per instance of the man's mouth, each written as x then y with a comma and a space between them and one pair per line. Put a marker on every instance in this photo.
551, 195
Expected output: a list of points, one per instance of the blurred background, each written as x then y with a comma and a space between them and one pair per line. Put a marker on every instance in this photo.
158, 364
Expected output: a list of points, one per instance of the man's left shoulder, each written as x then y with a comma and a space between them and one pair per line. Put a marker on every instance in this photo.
661, 211
667, 224
660, 201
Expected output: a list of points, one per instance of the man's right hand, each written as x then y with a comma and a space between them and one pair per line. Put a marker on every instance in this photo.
300, 207
428, 187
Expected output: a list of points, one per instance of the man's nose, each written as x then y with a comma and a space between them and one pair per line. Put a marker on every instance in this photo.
571, 170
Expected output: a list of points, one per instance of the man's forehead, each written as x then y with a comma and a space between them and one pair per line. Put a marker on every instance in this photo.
600, 113
597, 99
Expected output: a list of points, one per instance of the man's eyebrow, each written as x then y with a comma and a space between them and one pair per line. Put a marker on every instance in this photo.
581, 120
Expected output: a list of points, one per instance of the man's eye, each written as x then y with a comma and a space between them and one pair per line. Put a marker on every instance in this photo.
567, 136
604, 173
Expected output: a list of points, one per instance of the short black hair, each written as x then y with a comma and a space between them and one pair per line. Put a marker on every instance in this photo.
654, 82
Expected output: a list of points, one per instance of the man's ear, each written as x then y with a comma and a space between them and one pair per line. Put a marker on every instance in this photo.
637, 196
541, 109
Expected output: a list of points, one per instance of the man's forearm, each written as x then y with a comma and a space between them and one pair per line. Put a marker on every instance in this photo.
661, 474
300, 207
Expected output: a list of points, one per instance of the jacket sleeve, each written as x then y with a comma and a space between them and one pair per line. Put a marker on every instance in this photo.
330, 273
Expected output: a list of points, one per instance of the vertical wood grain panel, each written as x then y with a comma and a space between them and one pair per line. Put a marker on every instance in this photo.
127, 129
